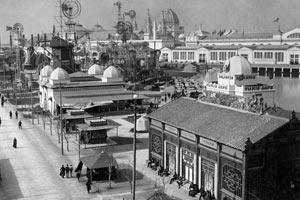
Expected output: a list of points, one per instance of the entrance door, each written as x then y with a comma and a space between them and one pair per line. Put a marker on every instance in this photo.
188, 165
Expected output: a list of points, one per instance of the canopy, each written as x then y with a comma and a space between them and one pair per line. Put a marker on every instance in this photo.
99, 160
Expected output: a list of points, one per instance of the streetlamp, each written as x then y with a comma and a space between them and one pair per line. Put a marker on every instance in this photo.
132, 54
59, 75
134, 148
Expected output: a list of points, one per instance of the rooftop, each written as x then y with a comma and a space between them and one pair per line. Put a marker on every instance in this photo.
219, 123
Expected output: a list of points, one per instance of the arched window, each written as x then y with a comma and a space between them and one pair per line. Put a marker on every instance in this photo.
294, 35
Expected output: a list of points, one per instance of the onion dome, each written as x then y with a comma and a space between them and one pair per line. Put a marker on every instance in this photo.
46, 71
96, 70
59, 74
237, 65
112, 72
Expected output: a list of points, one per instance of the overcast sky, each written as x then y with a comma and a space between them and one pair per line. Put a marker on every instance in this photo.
38, 16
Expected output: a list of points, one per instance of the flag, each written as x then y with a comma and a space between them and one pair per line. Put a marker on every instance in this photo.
9, 28
276, 20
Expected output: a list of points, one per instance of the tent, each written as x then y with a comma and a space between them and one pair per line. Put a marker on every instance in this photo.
142, 124
100, 160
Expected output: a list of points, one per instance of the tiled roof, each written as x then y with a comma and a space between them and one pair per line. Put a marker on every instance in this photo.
219, 123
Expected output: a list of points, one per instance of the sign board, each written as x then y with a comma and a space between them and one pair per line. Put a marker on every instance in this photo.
208, 143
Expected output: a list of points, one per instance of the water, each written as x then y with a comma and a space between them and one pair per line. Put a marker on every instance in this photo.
287, 94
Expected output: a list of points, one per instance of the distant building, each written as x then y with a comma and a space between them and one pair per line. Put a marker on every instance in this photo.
232, 154
237, 79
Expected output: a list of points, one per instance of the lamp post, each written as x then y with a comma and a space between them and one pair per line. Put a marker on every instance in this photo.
134, 148
60, 75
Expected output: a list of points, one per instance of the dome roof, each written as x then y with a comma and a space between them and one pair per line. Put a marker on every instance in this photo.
211, 76
169, 17
96, 70
181, 36
46, 71
59, 74
112, 72
237, 65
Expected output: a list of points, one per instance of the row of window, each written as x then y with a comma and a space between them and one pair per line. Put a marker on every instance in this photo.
223, 56
279, 56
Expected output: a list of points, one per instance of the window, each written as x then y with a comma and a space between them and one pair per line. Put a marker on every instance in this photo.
258, 55
175, 55
202, 58
279, 56
191, 55
214, 55
294, 35
231, 54
182, 55
222, 55
294, 59
268, 55
245, 56
165, 57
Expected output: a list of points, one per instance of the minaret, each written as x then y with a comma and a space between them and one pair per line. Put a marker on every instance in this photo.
163, 23
154, 30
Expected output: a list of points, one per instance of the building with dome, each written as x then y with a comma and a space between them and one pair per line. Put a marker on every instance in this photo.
237, 79
98, 91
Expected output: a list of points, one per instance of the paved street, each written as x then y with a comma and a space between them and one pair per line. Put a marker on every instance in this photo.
31, 171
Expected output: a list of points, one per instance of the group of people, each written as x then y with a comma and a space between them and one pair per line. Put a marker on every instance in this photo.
66, 171
163, 172
16, 114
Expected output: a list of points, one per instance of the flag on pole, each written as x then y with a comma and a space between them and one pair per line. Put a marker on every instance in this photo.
9, 28
276, 20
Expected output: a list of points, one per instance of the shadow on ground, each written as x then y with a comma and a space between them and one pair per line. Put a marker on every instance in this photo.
8, 178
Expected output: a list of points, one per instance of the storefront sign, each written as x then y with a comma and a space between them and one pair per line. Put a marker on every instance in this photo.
188, 135
208, 143
232, 152
172, 129
156, 123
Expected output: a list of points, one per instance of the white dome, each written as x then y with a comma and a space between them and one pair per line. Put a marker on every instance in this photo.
96, 70
46, 71
181, 36
59, 74
112, 72
237, 65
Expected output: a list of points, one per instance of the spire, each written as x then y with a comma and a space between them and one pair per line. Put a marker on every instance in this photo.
149, 23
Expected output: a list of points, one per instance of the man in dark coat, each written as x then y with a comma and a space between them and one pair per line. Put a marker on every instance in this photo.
62, 171
88, 186
20, 124
16, 114
79, 167
15, 143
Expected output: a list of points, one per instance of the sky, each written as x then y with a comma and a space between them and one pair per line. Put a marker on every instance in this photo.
39, 16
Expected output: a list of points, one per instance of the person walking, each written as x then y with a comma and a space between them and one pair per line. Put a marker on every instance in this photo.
88, 186
15, 143
62, 171
10, 114
16, 113
67, 171
78, 175
71, 171
20, 124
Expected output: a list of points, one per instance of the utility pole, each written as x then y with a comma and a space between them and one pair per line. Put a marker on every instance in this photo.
134, 149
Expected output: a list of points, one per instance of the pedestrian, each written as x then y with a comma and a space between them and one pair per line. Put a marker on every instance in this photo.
67, 171
79, 167
16, 114
15, 143
78, 175
20, 124
62, 171
71, 170
88, 186
10, 114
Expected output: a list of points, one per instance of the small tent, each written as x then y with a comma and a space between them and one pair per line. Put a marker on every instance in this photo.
142, 124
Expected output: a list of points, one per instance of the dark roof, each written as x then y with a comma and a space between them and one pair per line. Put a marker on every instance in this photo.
219, 123
99, 160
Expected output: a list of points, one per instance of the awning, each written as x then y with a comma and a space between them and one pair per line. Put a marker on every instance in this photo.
99, 160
